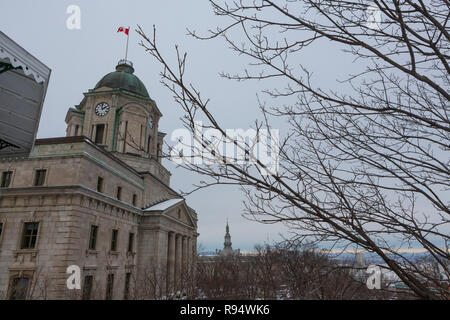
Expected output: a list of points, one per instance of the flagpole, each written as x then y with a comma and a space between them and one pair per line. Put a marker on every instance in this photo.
128, 37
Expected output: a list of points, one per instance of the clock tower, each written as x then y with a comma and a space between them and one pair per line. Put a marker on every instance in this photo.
119, 116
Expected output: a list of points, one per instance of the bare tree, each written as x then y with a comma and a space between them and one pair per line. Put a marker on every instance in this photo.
269, 275
284, 271
369, 167
149, 284
220, 277
41, 286
311, 274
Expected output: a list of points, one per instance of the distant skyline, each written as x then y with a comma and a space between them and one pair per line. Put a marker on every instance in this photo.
355, 251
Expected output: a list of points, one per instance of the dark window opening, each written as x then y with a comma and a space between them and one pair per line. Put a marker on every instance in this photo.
93, 238
100, 184
134, 199
127, 286
6, 179
39, 178
114, 237
99, 132
119, 193
130, 242
87, 287
109, 286
29, 235
1, 229
19, 288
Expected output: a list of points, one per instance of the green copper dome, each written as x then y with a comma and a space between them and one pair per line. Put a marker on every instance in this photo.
123, 78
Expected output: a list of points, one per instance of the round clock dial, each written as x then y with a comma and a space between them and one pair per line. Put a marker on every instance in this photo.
151, 122
101, 109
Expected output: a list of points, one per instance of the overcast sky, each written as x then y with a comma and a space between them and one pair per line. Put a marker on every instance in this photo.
80, 58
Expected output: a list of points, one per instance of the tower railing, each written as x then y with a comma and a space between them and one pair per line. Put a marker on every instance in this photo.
127, 62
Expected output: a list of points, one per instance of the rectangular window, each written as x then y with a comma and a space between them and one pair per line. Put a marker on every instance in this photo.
93, 238
134, 199
100, 184
19, 288
87, 287
39, 177
29, 235
130, 242
6, 179
114, 236
149, 144
126, 292
119, 193
99, 132
109, 286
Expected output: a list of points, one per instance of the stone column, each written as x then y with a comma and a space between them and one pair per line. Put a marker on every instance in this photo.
188, 253
170, 262
94, 132
178, 258
194, 251
184, 256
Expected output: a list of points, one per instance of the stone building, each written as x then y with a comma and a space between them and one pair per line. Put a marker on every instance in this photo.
99, 199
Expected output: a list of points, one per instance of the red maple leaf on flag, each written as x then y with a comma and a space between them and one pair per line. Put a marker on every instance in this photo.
123, 29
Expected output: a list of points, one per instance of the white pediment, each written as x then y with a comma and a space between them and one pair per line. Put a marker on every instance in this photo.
174, 208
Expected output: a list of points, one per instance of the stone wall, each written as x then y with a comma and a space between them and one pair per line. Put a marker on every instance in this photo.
64, 220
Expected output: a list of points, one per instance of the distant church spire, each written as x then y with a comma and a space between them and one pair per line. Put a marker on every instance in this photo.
227, 243
227, 249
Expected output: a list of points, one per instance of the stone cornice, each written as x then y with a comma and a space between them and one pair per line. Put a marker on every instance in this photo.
65, 196
80, 139
88, 154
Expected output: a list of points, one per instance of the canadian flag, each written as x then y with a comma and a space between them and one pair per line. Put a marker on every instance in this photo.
123, 29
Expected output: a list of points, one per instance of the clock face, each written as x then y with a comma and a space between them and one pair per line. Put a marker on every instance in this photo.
101, 109
151, 122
